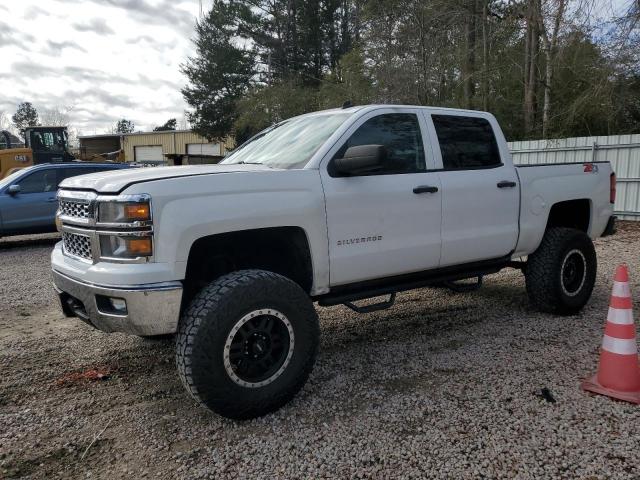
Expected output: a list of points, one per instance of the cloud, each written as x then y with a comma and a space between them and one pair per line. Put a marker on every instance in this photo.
13, 36
34, 12
108, 99
95, 25
140, 39
90, 75
164, 13
151, 42
109, 58
55, 48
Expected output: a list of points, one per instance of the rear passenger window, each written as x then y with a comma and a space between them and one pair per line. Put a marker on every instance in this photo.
400, 134
466, 142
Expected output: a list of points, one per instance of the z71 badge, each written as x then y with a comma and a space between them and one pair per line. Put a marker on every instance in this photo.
353, 241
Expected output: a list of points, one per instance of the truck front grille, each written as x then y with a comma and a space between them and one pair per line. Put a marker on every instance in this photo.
74, 209
77, 245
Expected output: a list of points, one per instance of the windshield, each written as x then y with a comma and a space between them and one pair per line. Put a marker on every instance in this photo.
289, 144
8, 180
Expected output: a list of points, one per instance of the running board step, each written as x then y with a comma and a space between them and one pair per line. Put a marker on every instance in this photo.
464, 287
374, 307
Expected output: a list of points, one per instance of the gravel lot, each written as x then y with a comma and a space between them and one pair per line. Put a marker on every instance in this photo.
441, 385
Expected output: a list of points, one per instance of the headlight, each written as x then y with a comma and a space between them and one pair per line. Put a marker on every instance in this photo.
126, 212
125, 246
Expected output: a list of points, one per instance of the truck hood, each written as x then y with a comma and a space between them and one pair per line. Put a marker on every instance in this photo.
115, 181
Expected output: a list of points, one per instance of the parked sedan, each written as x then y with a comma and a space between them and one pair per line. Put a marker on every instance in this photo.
28, 200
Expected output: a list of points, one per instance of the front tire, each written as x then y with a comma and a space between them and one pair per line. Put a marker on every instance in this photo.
561, 273
247, 343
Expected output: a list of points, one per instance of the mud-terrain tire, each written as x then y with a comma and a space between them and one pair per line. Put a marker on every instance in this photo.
561, 273
239, 316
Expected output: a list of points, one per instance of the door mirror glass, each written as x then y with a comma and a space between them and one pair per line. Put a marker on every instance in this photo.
361, 159
13, 189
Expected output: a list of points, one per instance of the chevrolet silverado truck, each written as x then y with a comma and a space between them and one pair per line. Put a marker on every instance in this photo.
332, 207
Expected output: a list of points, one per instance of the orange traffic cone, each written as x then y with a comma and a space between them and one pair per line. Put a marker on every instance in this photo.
618, 373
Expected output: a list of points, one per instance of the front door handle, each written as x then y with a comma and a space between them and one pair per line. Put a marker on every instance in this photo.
506, 184
51, 200
425, 189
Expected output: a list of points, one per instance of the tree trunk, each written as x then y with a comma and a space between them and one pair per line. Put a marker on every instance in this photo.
468, 79
550, 45
548, 74
485, 49
532, 46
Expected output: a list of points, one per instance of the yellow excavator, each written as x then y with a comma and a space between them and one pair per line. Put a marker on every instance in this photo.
42, 145
13, 154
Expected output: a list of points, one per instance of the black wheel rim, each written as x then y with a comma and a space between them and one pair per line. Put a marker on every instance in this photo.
258, 348
574, 268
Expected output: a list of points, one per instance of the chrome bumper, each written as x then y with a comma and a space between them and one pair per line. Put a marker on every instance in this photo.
151, 309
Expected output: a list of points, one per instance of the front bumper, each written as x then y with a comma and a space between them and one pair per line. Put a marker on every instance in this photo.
151, 309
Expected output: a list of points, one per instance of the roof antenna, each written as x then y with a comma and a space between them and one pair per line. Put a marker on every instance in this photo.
347, 104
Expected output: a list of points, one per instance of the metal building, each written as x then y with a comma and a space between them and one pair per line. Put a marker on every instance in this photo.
623, 151
172, 147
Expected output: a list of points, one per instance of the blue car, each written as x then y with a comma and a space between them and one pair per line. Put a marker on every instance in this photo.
28, 200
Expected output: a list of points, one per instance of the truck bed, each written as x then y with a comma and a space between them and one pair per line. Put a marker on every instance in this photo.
543, 185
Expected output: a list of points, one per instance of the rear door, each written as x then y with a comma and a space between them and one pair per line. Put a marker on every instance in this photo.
480, 192
388, 222
33, 209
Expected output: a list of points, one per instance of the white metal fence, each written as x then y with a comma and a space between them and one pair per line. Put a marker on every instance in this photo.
623, 151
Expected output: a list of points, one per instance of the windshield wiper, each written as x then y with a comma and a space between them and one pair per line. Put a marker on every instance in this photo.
252, 163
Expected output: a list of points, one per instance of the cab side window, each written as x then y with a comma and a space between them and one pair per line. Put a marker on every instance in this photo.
39, 182
400, 134
466, 142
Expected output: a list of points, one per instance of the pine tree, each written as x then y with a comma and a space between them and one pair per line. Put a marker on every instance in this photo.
124, 126
26, 116
219, 73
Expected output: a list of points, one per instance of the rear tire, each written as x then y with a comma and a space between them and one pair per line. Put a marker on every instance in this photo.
561, 273
247, 343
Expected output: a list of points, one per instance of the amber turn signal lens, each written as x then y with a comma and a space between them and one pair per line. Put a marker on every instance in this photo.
139, 246
137, 212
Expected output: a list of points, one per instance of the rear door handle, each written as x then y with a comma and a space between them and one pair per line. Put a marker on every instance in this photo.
51, 200
425, 189
506, 184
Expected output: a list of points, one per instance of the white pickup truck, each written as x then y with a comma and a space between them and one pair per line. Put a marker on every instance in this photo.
331, 207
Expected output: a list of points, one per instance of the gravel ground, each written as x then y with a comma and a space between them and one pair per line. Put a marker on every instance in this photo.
442, 385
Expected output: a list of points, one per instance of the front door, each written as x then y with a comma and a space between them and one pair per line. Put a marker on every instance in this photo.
480, 192
386, 222
33, 209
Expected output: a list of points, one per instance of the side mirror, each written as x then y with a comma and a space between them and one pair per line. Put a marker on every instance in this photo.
13, 189
361, 159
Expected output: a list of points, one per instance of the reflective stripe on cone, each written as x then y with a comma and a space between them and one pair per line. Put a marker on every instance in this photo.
619, 346
620, 316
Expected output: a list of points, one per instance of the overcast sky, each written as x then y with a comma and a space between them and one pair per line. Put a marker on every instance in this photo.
108, 59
